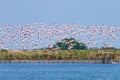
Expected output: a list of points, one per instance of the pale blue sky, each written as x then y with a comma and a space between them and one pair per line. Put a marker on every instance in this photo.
87, 12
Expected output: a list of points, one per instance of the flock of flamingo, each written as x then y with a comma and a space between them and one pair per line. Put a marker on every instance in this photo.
40, 35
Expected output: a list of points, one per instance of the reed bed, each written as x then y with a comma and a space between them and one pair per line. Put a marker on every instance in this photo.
58, 54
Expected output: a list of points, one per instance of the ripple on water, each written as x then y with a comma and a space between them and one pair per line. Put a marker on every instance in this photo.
59, 71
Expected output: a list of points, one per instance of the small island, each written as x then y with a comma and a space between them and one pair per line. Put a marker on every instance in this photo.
66, 50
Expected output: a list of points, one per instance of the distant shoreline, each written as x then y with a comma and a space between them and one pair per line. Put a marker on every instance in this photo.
60, 56
50, 61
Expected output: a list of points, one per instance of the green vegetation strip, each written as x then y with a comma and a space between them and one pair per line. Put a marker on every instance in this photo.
58, 54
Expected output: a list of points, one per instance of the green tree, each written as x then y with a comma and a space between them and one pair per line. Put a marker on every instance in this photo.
70, 43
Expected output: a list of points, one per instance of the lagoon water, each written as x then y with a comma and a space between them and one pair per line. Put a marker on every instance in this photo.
59, 71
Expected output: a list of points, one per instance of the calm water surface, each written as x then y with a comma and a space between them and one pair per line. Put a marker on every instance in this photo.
59, 71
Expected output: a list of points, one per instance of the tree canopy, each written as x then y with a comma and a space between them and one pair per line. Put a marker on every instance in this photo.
69, 43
